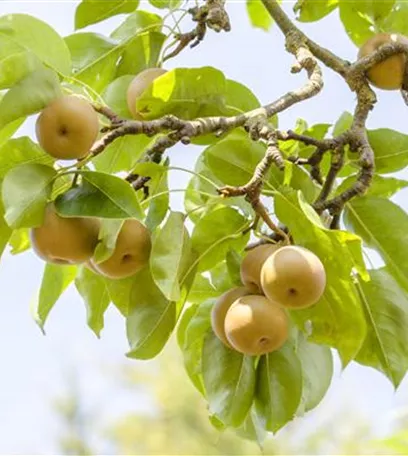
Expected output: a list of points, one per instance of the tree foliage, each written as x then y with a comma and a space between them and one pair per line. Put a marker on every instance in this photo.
323, 187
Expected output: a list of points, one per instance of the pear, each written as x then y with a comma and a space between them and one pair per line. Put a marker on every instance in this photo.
255, 326
293, 277
67, 128
220, 309
388, 74
252, 264
138, 85
131, 253
64, 240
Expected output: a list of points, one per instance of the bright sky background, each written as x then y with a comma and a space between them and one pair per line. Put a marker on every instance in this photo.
34, 369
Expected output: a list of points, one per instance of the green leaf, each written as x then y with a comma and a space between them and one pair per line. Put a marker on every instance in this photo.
25, 192
279, 387
233, 159
19, 240
8, 131
337, 319
108, 234
100, 195
92, 288
390, 149
93, 11
21, 151
314, 10
202, 289
15, 66
380, 186
229, 379
233, 262
115, 96
217, 232
28, 33
119, 292
383, 226
5, 231
317, 371
258, 15
137, 23
170, 255
141, 52
185, 92
239, 97
55, 281
357, 22
165, 4
396, 21
151, 320
29, 95
252, 428
95, 58
159, 204
343, 123
122, 154
386, 308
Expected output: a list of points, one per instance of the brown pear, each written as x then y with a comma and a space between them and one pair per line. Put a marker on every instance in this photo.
255, 326
67, 128
65, 240
252, 264
293, 277
220, 309
388, 74
131, 253
138, 85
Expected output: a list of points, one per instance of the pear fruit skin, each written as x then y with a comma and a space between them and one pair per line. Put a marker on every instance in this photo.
294, 277
255, 326
388, 74
138, 85
220, 309
252, 264
67, 128
65, 240
131, 253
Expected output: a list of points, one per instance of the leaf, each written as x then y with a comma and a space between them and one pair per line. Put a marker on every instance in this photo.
170, 255
100, 195
15, 65
95, 58
390, 149
21, 151
386, 307
122, 154
343, 123
233, 261
19, 240
217, 232
151, 320
380, 186
396, 21
185, 92
233, 160
114, 96
279, 387
25, 192
258, 15
357, 23
337, 319
55, 281
137, 23
28, 33
314, 10
92, 288
317, 371
240, 97
383, 226
202, 289
165, 4
120, 292
159, 202
108, 234
5, 231
141, 52
229, 379
29, 95
93, 11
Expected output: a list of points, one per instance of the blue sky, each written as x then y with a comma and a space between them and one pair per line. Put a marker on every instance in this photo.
34, 367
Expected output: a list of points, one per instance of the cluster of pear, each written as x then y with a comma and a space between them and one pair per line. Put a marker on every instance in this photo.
66, 129
388, 74
252, 319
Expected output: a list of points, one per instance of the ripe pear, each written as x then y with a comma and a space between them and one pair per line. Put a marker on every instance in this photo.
255, 326
138, 85
67, 128
220, 309
131, 253
252, 264
293, 277
388, 74
63, 240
